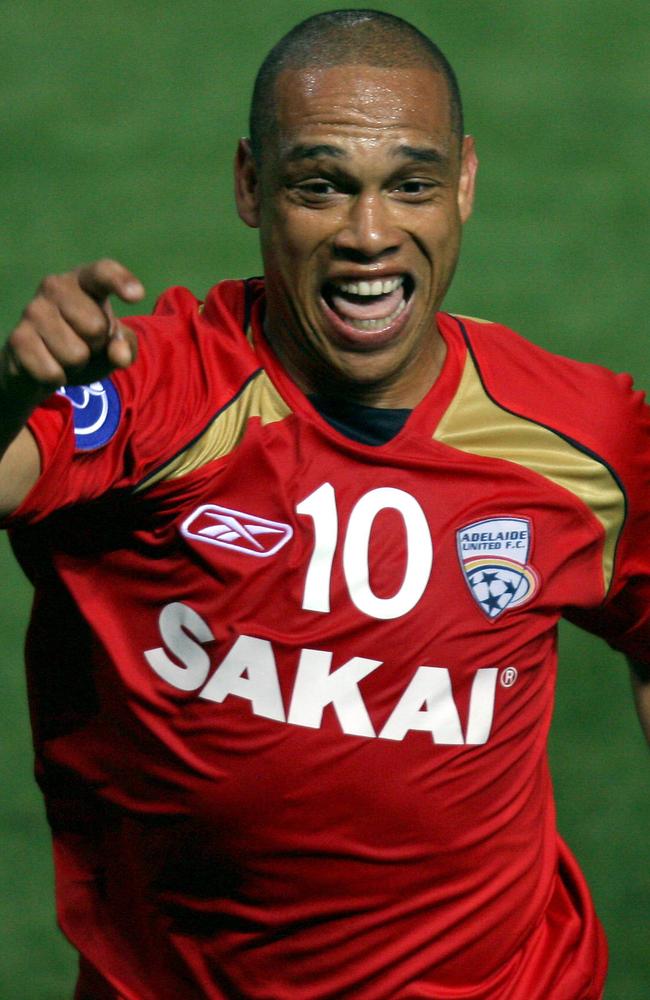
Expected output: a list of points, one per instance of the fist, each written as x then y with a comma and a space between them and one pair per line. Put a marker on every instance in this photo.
68, 334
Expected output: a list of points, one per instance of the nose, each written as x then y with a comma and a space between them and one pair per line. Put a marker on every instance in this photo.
368, 232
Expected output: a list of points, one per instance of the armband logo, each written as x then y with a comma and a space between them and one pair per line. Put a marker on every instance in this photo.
96, 411
493, 556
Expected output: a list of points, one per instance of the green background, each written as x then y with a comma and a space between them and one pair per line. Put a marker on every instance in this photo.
118, 127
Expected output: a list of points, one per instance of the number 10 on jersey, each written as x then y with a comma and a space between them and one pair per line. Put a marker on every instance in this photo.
321, 507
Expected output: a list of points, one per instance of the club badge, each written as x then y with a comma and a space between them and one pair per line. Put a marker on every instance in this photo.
493, 556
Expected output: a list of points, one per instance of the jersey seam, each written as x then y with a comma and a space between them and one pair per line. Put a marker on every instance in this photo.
584, 449
141, 484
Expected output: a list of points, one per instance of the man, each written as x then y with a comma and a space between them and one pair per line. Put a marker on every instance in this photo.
298, 571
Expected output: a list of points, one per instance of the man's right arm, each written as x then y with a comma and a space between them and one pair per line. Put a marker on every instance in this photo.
67, 335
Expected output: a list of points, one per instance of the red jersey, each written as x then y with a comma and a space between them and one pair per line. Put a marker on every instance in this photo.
291, 692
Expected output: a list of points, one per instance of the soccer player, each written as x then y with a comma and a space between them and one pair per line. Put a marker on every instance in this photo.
299, 552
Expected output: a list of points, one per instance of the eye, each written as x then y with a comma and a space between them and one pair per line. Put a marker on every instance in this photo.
316, 190
318, 187
416, 188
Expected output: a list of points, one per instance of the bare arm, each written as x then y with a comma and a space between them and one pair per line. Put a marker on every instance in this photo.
20, 467
640, 675
67, 335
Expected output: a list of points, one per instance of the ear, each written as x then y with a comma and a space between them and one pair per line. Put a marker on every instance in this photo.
247, 194
467, 178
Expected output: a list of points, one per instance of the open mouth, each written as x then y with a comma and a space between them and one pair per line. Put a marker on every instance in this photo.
371, 305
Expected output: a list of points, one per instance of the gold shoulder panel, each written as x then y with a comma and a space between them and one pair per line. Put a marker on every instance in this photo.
473, 319
259, 398
475, 424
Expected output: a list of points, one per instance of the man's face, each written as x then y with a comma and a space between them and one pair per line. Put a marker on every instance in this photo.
360, 201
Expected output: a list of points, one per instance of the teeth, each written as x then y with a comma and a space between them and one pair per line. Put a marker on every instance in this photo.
377, 324
377, 287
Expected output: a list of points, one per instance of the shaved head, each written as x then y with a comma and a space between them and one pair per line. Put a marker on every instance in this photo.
357, 37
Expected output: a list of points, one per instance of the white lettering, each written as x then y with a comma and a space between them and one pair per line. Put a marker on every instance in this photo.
249, 671
419, 551
481, 705
315, 687
430, 686
321, 507
179, 627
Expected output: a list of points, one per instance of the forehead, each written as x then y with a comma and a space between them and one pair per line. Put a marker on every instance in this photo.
367, 101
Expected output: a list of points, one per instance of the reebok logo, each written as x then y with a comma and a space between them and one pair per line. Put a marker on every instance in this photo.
234, 529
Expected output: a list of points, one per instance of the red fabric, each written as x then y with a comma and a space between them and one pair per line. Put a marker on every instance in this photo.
92, 986
212, 838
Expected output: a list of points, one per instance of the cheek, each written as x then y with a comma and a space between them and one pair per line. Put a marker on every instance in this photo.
295, 232
284, 247
442, 243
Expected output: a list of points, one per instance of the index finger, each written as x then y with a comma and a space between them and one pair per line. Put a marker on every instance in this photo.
109, 277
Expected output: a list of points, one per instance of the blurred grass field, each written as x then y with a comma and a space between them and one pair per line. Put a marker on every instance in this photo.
118, 128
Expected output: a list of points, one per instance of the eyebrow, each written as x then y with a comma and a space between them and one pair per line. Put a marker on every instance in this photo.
304, 152
421, 154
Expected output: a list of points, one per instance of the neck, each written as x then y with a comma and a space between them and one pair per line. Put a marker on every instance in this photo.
403, 390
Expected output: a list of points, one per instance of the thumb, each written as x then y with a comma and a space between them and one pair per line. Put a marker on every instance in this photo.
122, 343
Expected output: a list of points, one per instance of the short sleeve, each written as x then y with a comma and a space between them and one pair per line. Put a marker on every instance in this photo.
110, 435
623, 619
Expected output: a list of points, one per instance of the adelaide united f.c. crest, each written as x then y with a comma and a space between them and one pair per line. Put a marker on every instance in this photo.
493, 555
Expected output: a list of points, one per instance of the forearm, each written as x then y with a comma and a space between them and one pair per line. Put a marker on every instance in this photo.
66, 335
19, 396
640, 675
19, 454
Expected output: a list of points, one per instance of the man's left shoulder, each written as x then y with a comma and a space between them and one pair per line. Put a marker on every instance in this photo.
583, 401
